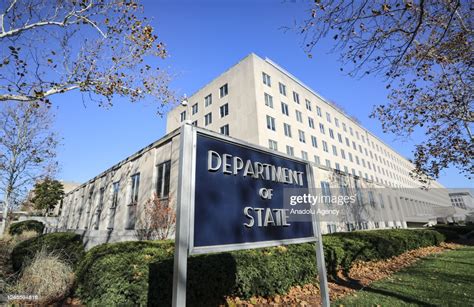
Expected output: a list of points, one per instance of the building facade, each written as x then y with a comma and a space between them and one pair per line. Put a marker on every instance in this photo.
260, 103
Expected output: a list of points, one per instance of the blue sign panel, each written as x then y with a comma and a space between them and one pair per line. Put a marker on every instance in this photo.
239, 195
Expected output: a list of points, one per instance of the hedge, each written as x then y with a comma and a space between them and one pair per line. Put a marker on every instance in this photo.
141, 273
67, 244
454, 232
29, 225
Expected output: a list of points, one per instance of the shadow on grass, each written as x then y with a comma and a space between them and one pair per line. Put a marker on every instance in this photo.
404, 298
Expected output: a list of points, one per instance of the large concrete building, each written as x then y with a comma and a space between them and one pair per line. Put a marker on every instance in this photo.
259, 102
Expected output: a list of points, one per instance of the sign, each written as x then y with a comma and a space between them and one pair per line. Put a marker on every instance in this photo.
238, 197
230, 197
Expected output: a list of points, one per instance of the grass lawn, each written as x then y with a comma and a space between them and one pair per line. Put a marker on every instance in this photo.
446, 279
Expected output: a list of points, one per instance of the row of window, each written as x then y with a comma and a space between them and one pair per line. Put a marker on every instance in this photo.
223, 111
296, 98
272, 144
162, 192
223, 91
302, 138
299, 118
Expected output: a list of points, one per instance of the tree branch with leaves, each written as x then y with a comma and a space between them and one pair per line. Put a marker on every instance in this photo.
102, 48
423, 49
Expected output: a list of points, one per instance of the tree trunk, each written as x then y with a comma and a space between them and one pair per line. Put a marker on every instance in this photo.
3, 226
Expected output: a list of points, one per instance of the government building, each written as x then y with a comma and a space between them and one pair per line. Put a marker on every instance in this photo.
258, 102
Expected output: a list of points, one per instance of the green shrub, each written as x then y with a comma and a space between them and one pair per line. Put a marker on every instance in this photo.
141, 273
342, 249
453, 233
67, 245
29, 225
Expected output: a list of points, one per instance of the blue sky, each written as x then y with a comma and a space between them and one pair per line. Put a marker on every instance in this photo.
204, 38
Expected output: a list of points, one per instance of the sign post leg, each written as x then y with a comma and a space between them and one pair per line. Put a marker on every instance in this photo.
182, 223
323, 281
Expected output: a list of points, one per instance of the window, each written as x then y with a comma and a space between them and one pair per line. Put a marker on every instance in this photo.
208, 119
348, 143
183, 116
381, 201
132, 207
351, 131
266, 79
268, 100
371, 198
290, 151
336, 122
195, 108
318, 111
284, 109
321, 128
224, 109
317, 160
326, 192
325, 146
308, 104
343, 154
299, 117
273, 144
301, 136
338, 167
296, 97
339, 137
331, 133
225, 129
163, 179
311, 122
350, 157
344, 127
100, 206
334, 150
271, 123
282, 88
331, 228
304, 155
224, 90
328, 117
314, 141
287, 129
113, 207
195, 123
135, 187
208, 100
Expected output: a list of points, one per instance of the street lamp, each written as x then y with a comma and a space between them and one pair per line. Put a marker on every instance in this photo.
185, 104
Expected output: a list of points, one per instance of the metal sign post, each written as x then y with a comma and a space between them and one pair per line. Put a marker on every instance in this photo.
182, 224
323, 281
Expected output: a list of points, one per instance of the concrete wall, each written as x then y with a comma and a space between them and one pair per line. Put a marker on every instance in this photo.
81, 206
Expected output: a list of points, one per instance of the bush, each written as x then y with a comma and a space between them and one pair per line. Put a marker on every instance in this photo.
342, 249
453, 233
47, 276
141, 273
29, 225
67, 245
